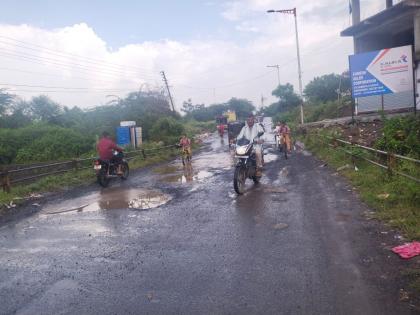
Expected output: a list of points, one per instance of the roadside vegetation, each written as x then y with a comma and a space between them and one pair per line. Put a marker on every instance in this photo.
396, 199
41, 130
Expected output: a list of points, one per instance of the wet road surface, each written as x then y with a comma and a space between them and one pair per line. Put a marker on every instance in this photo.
180, 241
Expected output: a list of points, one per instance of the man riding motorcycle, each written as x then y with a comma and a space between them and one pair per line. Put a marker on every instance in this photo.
252, 131
105, 148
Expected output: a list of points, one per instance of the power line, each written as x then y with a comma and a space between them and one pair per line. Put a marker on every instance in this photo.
31, 57
68, 54
52, 75
67, 88
229, 84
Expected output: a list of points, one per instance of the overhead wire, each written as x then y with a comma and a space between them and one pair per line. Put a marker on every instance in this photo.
66, 88
71, 65
58, 52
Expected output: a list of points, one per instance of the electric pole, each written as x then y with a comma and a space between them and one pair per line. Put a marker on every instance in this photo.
278, 71
293, 11
167, 88
262, 101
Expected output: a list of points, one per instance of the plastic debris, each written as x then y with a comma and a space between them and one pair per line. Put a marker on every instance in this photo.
280, 226
343, 167
408, 250
10, 205
383, 196
35, 196
275, 190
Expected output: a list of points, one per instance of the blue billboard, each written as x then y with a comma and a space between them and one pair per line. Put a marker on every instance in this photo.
381, 72
123, 136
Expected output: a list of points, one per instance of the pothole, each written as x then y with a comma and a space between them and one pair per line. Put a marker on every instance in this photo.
112, 199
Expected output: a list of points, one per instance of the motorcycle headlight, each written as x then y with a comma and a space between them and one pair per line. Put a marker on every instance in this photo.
241, 150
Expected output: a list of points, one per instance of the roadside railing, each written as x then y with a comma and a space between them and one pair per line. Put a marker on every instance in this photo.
389, 160
13, 175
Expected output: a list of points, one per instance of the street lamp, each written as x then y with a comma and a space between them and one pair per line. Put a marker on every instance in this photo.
278, 70
293, 11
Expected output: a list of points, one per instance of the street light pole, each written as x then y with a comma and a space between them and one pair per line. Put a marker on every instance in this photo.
293, 11
278, 71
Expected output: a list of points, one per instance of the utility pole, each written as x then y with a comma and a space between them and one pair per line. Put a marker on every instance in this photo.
167, 88
262, 101
278, 71
293, 11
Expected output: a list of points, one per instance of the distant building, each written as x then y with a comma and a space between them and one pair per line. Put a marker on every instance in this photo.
397, 25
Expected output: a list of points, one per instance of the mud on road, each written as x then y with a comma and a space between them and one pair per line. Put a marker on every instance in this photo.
174, 240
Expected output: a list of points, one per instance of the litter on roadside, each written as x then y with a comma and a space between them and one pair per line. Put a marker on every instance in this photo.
275, 190
343, 167
408, 250
35, 196
383, 196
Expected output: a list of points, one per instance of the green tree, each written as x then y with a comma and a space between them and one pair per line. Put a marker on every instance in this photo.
167, 129
44, 109
242, 107
288, 100
325, 88
6, 100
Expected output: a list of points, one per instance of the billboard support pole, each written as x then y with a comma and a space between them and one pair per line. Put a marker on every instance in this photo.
415, 92
352, 110
382, 103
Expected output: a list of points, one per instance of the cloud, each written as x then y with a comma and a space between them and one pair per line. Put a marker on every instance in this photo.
206, 70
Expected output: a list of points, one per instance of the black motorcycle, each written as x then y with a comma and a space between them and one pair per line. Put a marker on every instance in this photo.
106, 169
246, 167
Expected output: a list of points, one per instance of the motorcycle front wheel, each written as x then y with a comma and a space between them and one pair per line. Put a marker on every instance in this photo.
239, 179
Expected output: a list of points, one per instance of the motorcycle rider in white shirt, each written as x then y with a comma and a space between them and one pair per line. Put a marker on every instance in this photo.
252, 131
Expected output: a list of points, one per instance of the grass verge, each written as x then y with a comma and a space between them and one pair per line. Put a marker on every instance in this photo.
396, 199
20, 193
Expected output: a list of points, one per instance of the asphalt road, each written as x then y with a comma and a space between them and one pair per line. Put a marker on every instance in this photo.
173, 242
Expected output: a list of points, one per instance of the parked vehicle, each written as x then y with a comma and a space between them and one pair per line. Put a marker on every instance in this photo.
246, 167
106, 170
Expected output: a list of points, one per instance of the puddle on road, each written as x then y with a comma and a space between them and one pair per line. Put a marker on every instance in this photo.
270, 157
202, 167
111, 199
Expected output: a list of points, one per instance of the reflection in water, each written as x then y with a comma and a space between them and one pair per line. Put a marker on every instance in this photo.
188, 173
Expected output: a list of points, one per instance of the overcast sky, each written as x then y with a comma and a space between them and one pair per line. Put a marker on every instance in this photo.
79, 51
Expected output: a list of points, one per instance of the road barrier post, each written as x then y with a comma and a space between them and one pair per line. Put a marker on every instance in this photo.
391, 162
5, 181
76, 164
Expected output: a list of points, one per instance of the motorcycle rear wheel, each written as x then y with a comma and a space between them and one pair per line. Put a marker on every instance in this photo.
239, 179
103, 180
256, 179
125, 171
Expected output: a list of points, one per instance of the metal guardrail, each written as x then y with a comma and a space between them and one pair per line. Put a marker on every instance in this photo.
30, 173
391, 157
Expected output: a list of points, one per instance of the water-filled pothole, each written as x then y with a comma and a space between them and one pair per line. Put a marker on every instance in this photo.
111, 199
